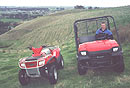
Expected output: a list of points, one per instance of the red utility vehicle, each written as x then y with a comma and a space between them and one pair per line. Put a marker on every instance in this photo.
97, 54
44, 62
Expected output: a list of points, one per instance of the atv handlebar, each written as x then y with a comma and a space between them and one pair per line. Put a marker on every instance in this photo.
30, 48
44, 46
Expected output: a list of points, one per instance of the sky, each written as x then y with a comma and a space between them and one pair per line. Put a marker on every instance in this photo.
99, 3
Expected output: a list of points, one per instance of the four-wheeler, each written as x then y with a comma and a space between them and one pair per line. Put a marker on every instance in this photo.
44, 62
102, 53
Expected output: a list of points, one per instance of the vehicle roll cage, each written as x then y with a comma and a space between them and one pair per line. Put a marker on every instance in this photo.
95, 19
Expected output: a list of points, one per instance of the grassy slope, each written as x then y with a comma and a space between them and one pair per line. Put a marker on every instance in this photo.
59, 26
68, 78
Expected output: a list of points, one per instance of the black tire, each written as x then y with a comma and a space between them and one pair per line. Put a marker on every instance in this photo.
52, 74
120, 67
23, 78
81, 70
61, 63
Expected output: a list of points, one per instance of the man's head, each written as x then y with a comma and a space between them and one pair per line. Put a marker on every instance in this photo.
103, 26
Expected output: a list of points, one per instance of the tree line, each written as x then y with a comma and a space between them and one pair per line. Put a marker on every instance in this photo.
83, 7
6, 26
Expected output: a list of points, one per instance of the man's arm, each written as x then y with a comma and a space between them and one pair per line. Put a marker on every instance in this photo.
110, 36
96, 36
97, 32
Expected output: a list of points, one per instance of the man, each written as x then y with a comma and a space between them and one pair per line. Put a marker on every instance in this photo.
103, 32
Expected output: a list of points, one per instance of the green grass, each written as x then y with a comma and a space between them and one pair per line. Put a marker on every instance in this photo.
68, 77
5, 44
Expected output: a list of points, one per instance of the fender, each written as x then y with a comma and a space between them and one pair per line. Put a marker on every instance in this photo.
59, 58
51, 59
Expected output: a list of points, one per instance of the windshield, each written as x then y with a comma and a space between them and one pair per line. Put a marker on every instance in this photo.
89, 27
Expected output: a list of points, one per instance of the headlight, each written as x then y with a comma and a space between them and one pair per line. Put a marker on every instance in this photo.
115, 49
83, 53
42, 62
22, 65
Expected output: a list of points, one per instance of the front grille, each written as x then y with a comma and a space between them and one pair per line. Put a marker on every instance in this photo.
31, 64
100, 59
100, 56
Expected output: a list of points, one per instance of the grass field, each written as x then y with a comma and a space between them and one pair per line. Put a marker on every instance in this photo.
59, 28
69, 77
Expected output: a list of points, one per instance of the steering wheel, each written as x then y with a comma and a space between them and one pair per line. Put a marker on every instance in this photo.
102, 36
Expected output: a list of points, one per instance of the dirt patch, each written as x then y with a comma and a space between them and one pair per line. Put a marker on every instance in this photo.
125, 79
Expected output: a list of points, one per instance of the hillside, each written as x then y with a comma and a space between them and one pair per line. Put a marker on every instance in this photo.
54, 29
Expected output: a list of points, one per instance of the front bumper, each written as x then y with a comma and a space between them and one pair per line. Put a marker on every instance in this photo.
101, 67
37, 72
99, 62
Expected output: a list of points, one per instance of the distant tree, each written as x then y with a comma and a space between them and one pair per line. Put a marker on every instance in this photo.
90, 7
59, 9
79, 7
96, 7
6, 26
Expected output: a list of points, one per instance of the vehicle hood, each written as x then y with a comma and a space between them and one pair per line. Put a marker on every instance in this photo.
98, 45
29, 59
32, 58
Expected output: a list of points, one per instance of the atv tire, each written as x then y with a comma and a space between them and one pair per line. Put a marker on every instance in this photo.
23, 78
81, 70
120, 67
52, 74
61, 63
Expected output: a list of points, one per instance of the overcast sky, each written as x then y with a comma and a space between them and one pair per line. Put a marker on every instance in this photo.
101, 3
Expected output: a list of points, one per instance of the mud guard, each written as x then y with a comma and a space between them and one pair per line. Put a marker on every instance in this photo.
53, 57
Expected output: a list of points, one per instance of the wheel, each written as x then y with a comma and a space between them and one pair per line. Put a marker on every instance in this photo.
120, 67
52, 74
81, 70
23, 78
61, 63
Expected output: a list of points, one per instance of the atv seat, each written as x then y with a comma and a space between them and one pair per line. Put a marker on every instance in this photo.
84, 39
